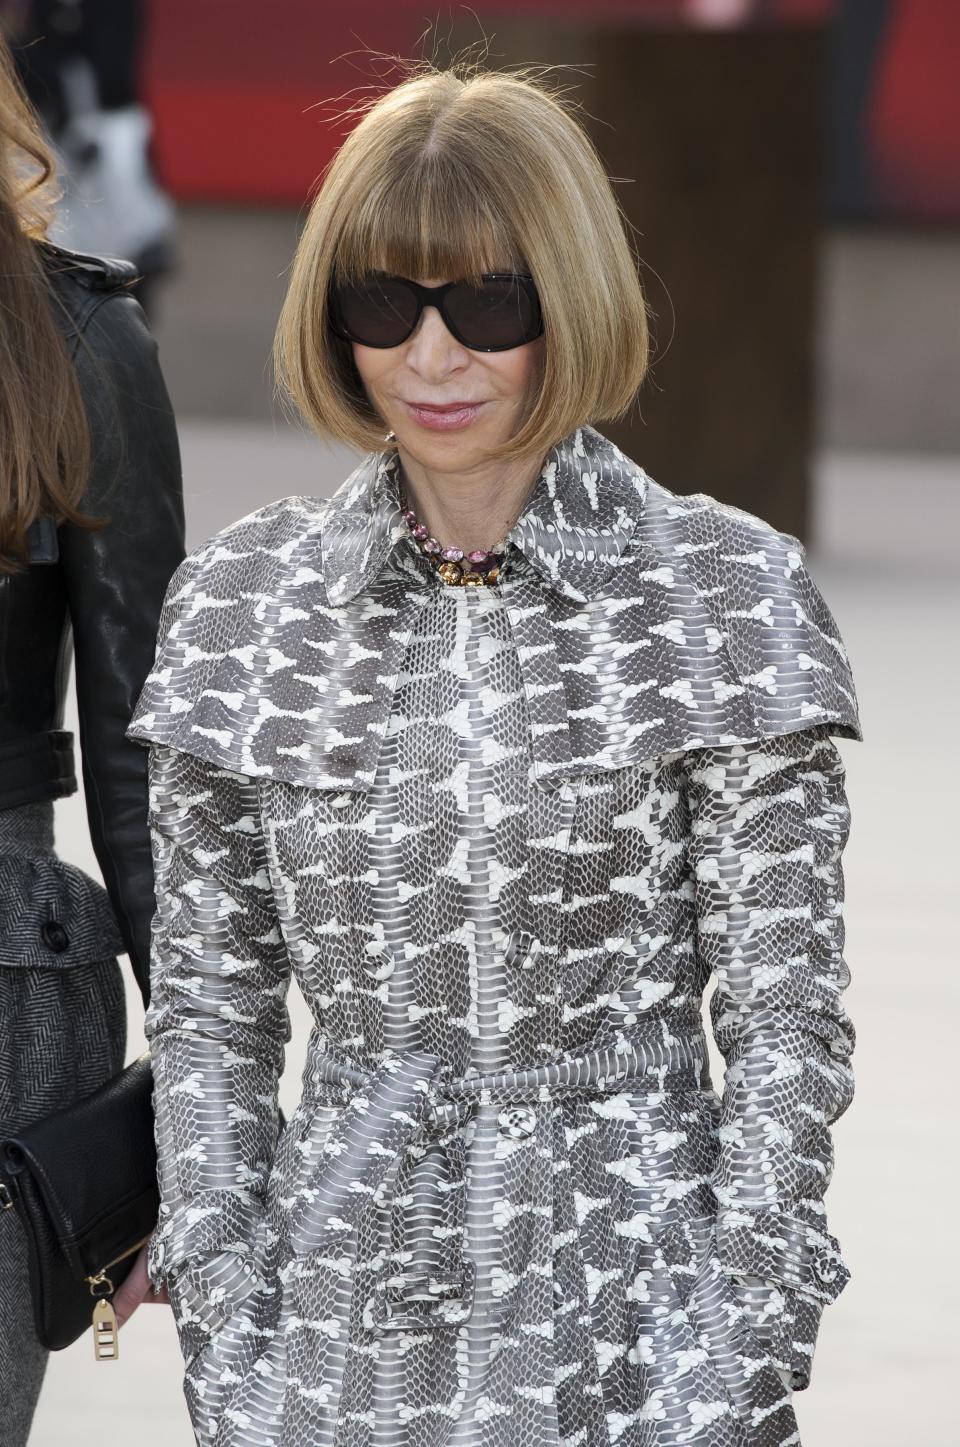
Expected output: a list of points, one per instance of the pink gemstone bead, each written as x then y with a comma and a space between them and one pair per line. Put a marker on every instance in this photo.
452, 555
479, 555
420, 532
430, 545
409, 516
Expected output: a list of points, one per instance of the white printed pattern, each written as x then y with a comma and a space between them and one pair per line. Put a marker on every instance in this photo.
502, 838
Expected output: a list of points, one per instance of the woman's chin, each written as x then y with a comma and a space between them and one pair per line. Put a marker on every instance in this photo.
447, 451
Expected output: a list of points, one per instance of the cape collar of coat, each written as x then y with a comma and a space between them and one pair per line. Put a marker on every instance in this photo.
579, 519
645, 623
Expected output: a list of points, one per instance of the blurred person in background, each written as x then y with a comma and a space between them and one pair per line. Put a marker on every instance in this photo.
503, 752
91, 529
79, 61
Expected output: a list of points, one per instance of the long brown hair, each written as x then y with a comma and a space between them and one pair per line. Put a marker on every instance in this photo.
44, 437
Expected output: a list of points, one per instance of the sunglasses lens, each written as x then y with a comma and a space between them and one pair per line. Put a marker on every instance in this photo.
498, 314
376, 313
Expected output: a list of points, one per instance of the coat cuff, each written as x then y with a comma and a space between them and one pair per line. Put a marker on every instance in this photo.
784, 1249
206, 1292
785, 1323
205, 1225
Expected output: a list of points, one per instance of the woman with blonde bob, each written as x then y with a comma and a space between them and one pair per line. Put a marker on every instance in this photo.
503, 751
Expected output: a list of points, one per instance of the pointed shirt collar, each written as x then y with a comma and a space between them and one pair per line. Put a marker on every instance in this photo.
573, 530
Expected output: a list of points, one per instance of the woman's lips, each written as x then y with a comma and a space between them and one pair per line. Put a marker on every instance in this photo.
451, 417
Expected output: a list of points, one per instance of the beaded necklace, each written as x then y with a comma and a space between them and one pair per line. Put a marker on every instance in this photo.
480, 566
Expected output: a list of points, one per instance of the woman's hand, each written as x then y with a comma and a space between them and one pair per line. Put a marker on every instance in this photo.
136, 1289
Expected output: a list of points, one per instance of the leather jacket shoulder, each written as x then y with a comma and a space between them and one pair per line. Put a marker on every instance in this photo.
100, 590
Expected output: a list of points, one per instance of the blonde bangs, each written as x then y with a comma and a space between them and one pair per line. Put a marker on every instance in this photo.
448, 177
435, 222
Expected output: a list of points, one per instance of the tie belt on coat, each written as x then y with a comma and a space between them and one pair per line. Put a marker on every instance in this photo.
675, 1062
411, 1101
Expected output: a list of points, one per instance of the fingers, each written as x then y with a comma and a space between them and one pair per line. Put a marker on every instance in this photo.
130, 1294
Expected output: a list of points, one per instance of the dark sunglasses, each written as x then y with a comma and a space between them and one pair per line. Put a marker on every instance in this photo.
382, 311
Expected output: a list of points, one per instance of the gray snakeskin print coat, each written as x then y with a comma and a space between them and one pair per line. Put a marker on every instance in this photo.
503, 838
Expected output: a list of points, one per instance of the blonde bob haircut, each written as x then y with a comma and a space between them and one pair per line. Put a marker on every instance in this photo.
448, 176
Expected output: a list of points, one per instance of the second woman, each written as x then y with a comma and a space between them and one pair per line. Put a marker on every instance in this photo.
91, 528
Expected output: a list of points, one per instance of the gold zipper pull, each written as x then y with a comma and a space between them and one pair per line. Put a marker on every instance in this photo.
106, 1335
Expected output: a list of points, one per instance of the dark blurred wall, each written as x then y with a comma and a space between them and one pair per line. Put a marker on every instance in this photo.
717, 134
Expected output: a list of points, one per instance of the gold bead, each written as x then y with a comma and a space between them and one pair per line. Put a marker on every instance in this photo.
492, 576
473, 579
450, 573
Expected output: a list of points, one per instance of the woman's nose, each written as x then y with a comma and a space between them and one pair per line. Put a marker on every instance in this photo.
433, 351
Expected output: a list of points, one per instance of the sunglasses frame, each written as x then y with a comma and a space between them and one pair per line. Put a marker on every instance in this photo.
435, 296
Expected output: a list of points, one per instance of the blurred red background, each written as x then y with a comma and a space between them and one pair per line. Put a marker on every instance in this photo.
243, 92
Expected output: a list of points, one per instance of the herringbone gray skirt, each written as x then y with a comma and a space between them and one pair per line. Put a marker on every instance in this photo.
62, 1034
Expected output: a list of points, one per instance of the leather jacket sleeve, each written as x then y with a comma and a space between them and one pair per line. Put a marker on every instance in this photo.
116, 578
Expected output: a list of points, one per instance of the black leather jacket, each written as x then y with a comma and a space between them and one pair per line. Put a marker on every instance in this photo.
97, 592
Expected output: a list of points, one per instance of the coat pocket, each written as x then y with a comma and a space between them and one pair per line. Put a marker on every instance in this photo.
721, 1325
227, 1311
217, 1367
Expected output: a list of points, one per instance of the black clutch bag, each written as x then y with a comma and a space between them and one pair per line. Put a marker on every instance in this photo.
84, 1185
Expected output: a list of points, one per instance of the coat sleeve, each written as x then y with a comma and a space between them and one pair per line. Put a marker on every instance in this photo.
115, 579
769, 822
217, 1027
